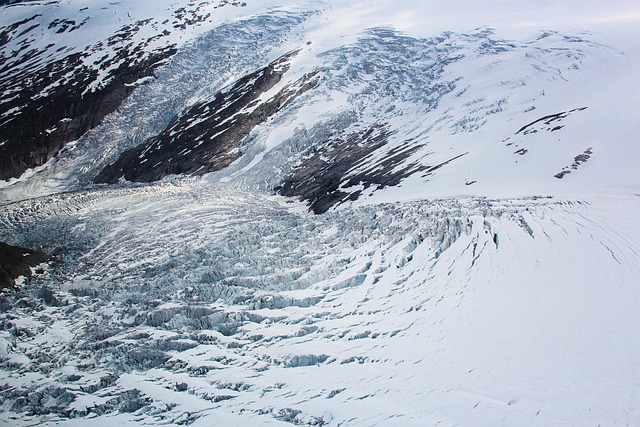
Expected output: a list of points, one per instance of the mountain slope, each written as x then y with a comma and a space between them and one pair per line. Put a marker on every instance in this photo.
207, 136
340, 213
357, 131
81, 61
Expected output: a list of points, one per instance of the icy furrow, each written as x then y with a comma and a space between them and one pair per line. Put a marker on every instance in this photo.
396, 310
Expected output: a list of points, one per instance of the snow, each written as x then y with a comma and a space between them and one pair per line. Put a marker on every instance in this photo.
422, 314
488, 292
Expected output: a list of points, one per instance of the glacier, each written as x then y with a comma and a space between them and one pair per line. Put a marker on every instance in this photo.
179, 303
442, 231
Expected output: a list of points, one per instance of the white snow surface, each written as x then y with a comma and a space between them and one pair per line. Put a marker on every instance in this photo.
487, 292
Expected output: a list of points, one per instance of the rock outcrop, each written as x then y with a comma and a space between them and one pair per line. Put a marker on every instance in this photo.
207, 137
16, 262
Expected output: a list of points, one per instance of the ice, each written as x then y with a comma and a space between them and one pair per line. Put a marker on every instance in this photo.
266, 310
487, 292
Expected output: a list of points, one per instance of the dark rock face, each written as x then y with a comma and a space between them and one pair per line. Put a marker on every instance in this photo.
16, 262
8, 2
577, 161
547, 121
53, 94
325, 177
207, 137
340, 170
48, 123
45, 105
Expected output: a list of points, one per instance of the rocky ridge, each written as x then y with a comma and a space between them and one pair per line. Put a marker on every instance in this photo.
207, 137
53, 93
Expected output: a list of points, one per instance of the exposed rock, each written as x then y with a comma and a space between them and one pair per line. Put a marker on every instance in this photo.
548, 123
9, 2
207, 137
47, 103
326, 177
52, 95
577, 161
16, 262
547, 120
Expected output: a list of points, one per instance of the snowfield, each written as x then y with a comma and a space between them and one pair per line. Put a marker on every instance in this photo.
476, 261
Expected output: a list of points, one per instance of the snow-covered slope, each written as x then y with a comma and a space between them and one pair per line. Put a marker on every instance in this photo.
446, 106
409, 215
65, 65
